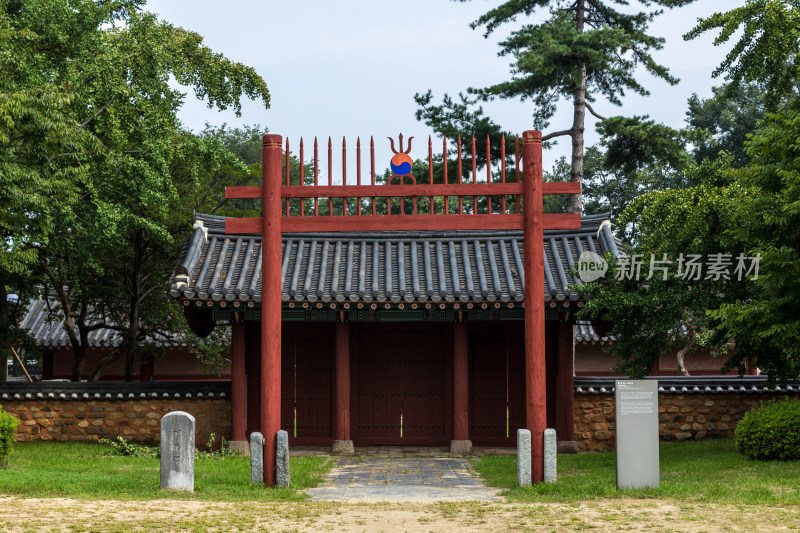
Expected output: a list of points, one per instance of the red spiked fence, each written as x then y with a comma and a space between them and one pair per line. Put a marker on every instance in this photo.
495, 203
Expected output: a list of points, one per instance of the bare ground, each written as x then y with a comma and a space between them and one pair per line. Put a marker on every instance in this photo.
64, 514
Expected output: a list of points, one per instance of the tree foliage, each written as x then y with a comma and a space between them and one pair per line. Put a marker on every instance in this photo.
581, 50
766, 51
135, 176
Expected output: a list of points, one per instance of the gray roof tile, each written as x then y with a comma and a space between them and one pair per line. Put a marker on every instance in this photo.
450, 266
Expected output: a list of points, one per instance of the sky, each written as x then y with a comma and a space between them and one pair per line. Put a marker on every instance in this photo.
351, 68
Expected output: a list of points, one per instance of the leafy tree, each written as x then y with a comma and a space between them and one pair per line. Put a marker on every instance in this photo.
583, 50
141, 174
766, 52
724, 120
653, 297
768, 322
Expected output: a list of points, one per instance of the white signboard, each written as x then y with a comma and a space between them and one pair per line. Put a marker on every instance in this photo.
636, 404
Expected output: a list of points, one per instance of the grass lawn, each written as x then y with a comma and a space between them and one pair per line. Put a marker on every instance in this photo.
702, 471
85, 470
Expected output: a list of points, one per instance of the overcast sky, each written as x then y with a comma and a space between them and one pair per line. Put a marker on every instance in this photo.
351, 68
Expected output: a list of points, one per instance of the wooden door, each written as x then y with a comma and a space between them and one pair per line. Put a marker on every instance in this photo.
307, 358
497, 382
403, 384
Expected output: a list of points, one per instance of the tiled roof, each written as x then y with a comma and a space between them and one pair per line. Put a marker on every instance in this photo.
585, 334
691, 385
383, 266
63, 390
48, 332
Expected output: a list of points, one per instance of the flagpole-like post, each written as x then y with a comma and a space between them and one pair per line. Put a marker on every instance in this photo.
271, 301
535, 379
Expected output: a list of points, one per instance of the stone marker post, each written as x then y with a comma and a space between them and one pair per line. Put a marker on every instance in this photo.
523, 457
550, 455
177, 451
282, 477
256, 457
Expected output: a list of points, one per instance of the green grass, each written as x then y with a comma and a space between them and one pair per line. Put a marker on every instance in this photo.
84, 470
703, 471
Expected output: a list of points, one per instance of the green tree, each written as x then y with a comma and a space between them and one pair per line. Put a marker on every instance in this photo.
582, 50
766, 52
140, 174
724, 120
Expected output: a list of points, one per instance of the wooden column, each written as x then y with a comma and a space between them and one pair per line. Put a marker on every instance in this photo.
238, 383
565, 428
460, 382
535, 384
271, 302
342, 427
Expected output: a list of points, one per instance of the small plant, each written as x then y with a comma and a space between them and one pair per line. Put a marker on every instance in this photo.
771, 431
128, 448
8, 425
210, 453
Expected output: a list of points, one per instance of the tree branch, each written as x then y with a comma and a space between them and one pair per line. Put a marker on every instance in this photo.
556, 134
593, 112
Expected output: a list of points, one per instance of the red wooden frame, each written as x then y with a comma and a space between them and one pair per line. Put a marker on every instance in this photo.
277, 194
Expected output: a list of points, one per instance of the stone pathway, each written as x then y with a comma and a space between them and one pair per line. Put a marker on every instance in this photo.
403, 479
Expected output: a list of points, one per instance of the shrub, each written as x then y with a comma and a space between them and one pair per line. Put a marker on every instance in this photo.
771, 431
8, 425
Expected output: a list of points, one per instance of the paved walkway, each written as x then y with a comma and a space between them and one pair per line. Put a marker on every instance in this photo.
403, 479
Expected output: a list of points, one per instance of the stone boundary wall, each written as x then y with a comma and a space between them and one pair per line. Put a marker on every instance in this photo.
680, 416
132, 419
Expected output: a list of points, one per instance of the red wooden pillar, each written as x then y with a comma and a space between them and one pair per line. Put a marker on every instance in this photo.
342, 441
238, 384
271, 301
460, 386
535, 378
565, 425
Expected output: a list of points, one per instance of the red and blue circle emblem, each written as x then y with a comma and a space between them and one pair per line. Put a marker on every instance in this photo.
401, 164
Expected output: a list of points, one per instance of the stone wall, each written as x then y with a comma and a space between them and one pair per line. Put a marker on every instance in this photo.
132, 419
680, 416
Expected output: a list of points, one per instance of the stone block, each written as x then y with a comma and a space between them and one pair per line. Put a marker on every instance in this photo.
550, 455
241, 446
177, 451
699, 435
256, 457
459, 447
523, 457
282, 475
683, 435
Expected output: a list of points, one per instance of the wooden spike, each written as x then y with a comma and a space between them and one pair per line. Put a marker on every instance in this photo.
503, 169
344, 174
372, 167
430, 169
316, 175
358, 171
302, 178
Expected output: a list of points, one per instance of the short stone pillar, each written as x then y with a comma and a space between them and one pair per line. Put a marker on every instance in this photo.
177, 451
282, 477
256, 457
342, 447
550, 455
523, 457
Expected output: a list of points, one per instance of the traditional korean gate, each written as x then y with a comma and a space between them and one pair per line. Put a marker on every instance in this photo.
497, 383
403, 384
307, 383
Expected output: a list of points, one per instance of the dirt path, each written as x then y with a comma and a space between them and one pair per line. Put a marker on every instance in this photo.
62, 514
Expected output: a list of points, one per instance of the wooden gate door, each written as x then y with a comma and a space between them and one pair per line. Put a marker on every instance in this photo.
403, 385
497, 382
307, 374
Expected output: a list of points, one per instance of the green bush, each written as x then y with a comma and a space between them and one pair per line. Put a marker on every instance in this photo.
771, 431
8, 425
